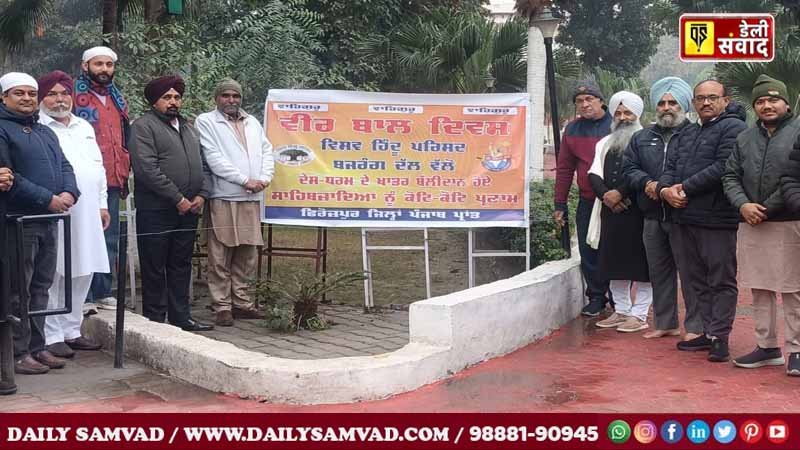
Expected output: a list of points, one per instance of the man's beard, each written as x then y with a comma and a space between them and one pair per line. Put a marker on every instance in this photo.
669, 119
59, 112
102, 79
774, 121
172, 112
231, 110
621, 134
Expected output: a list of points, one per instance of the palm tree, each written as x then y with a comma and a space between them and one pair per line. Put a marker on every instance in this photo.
19, 19
740, 77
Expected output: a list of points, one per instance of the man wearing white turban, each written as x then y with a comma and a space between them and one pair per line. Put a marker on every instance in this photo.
617, 223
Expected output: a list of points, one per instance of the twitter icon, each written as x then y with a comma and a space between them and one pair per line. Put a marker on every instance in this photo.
724, 431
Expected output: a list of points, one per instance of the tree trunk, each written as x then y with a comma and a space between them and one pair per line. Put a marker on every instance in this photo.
154, 11
537, 62
110, 23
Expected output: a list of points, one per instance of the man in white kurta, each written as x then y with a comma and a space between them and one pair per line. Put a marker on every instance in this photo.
89, 216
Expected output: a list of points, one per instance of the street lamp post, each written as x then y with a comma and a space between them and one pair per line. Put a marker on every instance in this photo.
548, 24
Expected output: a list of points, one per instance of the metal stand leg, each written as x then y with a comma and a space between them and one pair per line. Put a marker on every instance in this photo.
8, 385
119, 344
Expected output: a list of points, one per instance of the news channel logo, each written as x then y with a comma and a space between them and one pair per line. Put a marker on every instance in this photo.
698, 432
645, 431
724, 431
671, 432
619, 431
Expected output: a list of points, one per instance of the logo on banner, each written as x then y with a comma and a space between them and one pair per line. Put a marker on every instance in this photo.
294, 155
671, 432
499, 158
698, 431
645, 431
727, 37
619, 431
777, 432
751, 432
724, 431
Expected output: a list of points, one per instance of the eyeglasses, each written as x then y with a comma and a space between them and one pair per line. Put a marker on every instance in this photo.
587, 99
711, 98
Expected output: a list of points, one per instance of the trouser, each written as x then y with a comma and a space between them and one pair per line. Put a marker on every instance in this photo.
101, 282
38, 264
707, 264
765, 314
621, 290
64, 327
229, 272
166, 244
659, 243
596, 286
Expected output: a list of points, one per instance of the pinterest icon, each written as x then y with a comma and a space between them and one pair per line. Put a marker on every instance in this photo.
751, 432
645, 431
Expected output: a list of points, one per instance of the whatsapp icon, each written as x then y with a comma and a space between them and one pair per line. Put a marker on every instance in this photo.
619, 431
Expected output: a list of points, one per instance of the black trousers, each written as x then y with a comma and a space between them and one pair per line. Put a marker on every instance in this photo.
166, 243
38, 263
596, 285
707, 264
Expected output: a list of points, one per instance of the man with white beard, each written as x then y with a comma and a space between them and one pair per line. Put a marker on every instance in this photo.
89, 217
645, 159
617, 223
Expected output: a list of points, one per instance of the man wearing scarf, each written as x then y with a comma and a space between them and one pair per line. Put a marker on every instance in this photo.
171, 185
99, 102
616, 225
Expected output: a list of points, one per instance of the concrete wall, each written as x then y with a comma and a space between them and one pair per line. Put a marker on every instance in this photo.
448, 333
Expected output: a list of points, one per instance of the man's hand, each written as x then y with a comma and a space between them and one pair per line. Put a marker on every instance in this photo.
252, 186
612, 198
57, 205
68, 199
184, 206
558, 217
105, 218
675, 196
753, 213
650, 190
197, 205
6, 179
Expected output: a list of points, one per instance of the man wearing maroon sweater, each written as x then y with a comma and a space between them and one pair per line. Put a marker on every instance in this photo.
576, 155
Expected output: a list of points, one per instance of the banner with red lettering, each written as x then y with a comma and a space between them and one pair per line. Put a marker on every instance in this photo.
358, 159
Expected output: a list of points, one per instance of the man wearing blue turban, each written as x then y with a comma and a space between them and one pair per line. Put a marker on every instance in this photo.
644, 163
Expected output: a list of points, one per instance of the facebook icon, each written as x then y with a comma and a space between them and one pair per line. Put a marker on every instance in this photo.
671, 432
698, 432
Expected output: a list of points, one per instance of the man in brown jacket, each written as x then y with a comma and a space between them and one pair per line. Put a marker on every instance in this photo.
170, 189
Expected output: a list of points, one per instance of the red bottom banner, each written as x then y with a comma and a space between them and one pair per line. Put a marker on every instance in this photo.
399, 431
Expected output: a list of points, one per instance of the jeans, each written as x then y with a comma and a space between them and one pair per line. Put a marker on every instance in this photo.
101, 282
596, 286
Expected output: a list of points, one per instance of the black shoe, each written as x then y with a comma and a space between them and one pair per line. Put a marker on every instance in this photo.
719, 350
695, 345
760, 357
793, 369
61, 350
191, 325
594, 308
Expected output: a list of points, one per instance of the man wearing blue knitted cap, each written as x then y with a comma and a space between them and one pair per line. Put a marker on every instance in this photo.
644, 163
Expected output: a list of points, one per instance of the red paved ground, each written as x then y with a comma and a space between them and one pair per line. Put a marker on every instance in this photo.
577, 369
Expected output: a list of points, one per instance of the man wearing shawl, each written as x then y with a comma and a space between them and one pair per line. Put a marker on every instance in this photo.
645, 159
171, 185
616, 225
99, 102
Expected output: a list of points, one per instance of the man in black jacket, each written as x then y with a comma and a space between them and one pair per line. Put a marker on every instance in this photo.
645, 159
171, 185
704, 221
43, 183
768, 240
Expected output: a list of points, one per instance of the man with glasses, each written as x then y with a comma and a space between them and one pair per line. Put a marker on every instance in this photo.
704, 220
576, 155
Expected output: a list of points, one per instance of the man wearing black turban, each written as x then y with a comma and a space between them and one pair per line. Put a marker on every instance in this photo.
170, 188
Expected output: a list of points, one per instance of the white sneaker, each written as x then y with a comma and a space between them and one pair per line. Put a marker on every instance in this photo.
107, 303
89, 309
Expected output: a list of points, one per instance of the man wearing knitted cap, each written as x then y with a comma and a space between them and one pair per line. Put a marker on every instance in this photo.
89, 217
576, 155
704, 222
769, 236
645, 158
100, 102
615, 228
240, 158
44, 182
171, 185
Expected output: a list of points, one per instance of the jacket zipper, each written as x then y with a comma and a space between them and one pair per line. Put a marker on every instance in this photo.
763, 163
664, 166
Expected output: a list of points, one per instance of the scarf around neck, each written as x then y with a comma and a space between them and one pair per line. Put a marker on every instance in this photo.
83, 106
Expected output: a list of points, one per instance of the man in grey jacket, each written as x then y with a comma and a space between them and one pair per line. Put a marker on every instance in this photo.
240, 158
171, 185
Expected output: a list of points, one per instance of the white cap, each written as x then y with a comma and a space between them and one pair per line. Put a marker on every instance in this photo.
14, 79
99, 51
629, 99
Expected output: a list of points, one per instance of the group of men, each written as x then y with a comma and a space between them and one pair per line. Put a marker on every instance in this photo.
690, 200
68, 146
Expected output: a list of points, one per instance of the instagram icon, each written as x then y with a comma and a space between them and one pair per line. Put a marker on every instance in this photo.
645, 431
